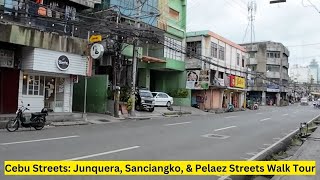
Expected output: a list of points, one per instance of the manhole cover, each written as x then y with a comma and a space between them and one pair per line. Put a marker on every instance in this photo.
103, 120
216, 136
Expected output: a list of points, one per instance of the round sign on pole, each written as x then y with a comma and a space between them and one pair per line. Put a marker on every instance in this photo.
97, 51
63, 63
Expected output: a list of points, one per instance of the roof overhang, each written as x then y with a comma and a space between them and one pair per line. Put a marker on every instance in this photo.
149, 59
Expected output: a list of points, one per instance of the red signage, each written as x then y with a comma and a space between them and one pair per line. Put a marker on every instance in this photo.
232, 81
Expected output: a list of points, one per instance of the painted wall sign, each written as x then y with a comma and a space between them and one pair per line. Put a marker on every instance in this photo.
95, 38
240, 82
232, 81
63, 63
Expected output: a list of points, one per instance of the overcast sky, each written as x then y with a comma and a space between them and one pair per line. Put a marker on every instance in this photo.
289, 23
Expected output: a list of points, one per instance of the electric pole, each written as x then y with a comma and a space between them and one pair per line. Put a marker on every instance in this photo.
138, 6
116, 88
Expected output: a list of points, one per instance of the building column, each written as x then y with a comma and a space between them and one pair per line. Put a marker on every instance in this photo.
278, 99
264, 99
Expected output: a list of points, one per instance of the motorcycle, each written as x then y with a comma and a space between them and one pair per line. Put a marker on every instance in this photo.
230, 108
37, 120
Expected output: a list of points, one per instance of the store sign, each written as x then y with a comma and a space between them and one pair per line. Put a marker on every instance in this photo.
97, 51
198, 79
6, 58
95, 38
63, 63
232, 81
239, 82
273, 87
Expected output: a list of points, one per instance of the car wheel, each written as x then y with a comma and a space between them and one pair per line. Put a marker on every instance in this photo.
151, 109
168, 104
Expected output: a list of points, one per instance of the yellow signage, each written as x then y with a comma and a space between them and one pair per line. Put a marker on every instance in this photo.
240, 82
160, 168
95, 38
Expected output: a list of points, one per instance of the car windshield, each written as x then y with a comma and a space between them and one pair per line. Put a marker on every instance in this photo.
154, 94
145, 94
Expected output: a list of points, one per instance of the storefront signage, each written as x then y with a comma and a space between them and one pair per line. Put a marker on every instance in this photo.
6, 58
273, 87
95, 38
197, 79
97, 51
232, 81
63, 63
239, 82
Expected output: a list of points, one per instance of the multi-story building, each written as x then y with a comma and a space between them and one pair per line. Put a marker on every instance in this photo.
40, 53
269, 62
221, 78
314, 70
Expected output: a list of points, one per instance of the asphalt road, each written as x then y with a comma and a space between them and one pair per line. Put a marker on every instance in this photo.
184, 138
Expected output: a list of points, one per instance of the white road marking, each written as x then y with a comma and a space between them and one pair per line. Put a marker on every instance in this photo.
276, 138
224, 128
230, 117
38, 140
259, 113
177, 123
103, 153
266, 119
267, 144
262, 148
285, 114
252, 153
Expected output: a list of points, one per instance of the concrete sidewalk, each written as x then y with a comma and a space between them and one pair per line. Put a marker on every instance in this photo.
310, 150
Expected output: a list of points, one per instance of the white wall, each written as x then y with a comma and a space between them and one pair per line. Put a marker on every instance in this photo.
45, 60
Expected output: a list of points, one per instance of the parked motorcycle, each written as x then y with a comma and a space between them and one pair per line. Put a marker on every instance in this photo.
230, 108
37, 120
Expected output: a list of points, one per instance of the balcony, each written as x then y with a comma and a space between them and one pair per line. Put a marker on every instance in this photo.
273, 75
285, 62
285, 76
274, 61
252, 61
87, 3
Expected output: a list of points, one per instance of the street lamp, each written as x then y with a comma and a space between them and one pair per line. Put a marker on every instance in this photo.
277, 1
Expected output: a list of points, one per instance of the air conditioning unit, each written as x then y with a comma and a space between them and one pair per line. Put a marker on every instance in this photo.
106, 61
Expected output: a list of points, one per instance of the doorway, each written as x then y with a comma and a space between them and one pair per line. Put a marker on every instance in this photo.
50, 91
9, 86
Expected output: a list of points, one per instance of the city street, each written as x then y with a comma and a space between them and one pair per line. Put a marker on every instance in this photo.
185, 138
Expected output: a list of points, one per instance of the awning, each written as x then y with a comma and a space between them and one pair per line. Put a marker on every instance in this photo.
237, 89
149, 59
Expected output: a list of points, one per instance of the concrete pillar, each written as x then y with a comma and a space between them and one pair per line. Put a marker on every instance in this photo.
278, 99
147, 78
264, 99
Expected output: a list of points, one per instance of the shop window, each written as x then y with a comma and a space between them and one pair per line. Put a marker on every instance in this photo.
33, 85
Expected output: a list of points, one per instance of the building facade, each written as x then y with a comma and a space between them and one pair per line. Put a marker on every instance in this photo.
41, 56
314, 70
219, 81
300, 74
269, 64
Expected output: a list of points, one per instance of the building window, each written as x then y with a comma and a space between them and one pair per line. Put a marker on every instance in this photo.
275, 54
220, 75
238, 59
253, 67
221, 52
273, 68
194, 49
33, 85
214, 50
173, 49
243, 62
174, 14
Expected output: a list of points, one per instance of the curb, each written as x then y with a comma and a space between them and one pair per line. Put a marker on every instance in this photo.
276, 147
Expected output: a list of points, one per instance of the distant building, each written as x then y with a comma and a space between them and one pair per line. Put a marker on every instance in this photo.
269, 64
314, 70
300, 74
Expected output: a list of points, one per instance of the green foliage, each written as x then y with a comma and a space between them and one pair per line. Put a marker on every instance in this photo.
179, 93
125, 93
129, 104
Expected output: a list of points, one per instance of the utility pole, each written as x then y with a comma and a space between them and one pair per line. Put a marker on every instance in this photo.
84, 115
116, 88
138, 5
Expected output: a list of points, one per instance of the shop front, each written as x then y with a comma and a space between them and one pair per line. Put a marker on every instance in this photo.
235, 93
9, 80
47, 78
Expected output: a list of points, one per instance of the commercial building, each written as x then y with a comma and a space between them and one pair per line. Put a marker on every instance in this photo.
269, 62
41, 56
222, 79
